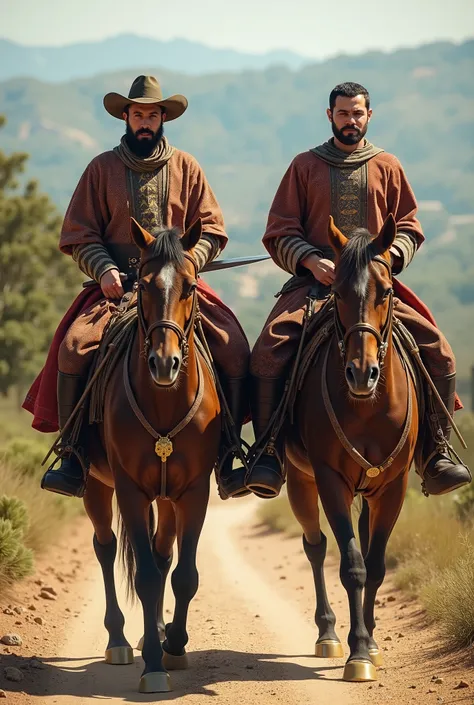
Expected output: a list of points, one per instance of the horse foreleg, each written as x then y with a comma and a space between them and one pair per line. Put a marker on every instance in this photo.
383, 515
134, 507
303, 497
163, 551
190, 513
337, 498
98, 505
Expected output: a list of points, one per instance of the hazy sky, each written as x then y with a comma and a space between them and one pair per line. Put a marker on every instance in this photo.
315, 28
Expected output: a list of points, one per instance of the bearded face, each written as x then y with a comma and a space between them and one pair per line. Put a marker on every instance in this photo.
350, 134
143, 141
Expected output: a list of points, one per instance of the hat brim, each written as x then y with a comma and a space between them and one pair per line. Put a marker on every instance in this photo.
175, 106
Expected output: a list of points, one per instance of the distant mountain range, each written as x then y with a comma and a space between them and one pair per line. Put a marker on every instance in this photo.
129, 51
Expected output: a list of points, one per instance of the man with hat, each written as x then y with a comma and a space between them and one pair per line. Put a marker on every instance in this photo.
161, 187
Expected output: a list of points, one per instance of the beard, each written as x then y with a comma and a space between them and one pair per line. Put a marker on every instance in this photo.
143, 148
347, 137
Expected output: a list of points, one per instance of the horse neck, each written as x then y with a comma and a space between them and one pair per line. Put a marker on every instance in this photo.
167, 406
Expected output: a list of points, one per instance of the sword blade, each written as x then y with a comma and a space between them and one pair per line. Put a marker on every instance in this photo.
233, 262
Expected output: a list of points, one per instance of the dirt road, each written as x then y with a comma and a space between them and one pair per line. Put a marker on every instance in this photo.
251, 631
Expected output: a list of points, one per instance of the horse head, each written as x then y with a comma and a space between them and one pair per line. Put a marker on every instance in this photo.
363, 302
167, 299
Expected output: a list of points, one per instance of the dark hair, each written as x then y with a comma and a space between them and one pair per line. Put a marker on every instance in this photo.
348, 90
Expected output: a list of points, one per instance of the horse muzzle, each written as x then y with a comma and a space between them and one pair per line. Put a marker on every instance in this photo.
164, 370
362, 382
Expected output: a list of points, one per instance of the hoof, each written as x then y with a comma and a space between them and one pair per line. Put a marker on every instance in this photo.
119, 656
376, 657
174, 663
329, 648
359, 671
157, 682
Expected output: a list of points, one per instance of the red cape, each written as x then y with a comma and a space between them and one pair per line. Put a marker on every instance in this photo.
41, 399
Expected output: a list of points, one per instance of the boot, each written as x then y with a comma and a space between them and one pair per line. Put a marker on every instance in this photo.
231, 481
440, 473
266, 475
70, 478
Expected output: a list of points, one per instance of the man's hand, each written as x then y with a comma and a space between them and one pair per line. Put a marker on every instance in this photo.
111, 284
322, 269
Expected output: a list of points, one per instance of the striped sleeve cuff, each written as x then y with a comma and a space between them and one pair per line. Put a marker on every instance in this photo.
404, 248
207, 249
288, 251
93, 259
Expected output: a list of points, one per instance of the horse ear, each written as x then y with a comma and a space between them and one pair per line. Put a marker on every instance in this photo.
192, 235
386, 236
336, 239
140, 236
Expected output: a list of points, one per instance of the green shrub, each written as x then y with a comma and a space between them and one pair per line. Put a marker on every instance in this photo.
16, 561
14, 509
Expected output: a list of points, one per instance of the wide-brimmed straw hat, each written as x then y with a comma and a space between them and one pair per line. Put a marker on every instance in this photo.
147, 91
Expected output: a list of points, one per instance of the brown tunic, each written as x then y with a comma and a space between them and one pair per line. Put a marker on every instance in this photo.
100, 211
357, 196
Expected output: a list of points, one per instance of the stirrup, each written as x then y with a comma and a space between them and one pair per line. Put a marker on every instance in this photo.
233, 485
64, 483
268, 481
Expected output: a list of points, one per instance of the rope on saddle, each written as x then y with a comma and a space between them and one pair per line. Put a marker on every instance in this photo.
119, 333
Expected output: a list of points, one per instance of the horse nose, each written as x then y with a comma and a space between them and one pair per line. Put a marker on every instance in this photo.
362, 381
164, 369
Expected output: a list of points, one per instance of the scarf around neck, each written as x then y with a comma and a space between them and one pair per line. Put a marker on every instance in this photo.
329, 153
161, 155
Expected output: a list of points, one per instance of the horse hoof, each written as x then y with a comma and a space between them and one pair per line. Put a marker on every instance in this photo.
376, 657
119, 656
329, 648
359, 671
174, 663
155, 682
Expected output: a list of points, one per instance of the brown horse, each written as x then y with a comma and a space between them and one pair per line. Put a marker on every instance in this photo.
356, 429
159, 441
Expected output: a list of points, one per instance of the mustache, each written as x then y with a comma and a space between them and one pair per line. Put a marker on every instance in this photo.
144, 131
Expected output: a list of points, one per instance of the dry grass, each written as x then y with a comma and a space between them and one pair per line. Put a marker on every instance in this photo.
448, 598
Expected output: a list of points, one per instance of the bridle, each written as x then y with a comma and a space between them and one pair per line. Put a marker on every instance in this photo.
381, 336
182, 334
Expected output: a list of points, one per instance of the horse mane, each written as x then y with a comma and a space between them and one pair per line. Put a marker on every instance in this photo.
355, 258
167, 246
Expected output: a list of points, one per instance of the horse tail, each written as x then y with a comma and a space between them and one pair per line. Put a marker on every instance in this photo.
127, 556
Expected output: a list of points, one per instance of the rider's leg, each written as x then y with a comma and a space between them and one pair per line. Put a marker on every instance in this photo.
440, 473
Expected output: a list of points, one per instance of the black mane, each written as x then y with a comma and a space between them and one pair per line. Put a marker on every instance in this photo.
168, 247
355, 259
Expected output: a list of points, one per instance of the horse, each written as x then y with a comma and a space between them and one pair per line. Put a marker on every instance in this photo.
355, 431
158, 441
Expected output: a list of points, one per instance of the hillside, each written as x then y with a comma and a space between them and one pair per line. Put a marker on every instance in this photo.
128, 51
245, 128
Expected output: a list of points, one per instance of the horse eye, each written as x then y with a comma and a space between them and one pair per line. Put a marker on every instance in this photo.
387, 293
